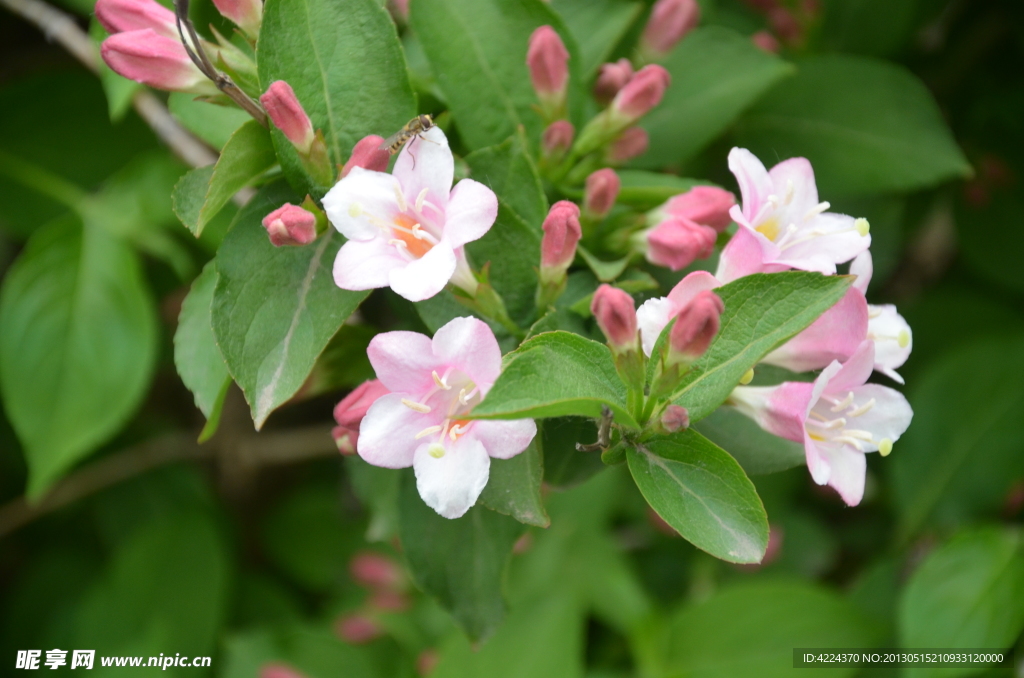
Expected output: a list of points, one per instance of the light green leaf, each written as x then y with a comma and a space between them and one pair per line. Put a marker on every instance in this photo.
555, 374
459, 562
212, 123
968, 593
761, 312
867, 126
508, 170
201, 193
756, 450
275, 308
598, 26
513, 488
311, 650
703, 494
716, 74
77, 347
606, 271
345, 63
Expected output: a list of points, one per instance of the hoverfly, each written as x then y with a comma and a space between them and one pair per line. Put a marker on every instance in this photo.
414, 128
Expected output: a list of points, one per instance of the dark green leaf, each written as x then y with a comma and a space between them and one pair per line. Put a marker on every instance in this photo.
77, 347
459, 562
556, 374
867, 126
509, 171
564, 465
275, 308
377, 489
989, 235
598, 26
756, 450
514, 486
716, 74
211, 123
703, 493
310, 650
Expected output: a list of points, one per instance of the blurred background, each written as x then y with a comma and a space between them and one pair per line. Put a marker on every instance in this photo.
271, 553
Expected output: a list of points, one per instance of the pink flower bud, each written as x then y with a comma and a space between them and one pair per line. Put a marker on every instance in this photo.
558, 138
695, 327
675, 418
630, 144
611, 79
389, 601
615, 313
785, 25
375, 571
150, 58
368, 154
561, 233
705, 205
548, 60
290, 225
670, 21
766, 41
357, 629
278, 670
677, 243
121, 16
246, 14
287, 113
642, 93
427, 662
350, 411
401, 9
602, 188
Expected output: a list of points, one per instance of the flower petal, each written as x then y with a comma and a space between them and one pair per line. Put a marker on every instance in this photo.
472, 209
862, 267
781, 410
365, 264
744, 255
817, 463
358, 199
424, 277
889, 329
426, 162
839, 242
387, 434
848, 469
403, 362
889, 418
469, 345
505, 439
755, 184
835, 335
652, 317
451, 484
855, 371
793, 180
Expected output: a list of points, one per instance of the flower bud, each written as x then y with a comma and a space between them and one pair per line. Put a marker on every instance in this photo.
630, 144
375, 571
642, 93
677, 243
705, 205
121, 16
548, 60
368, 154
290, 225
561, 233
357, 629
557, 139
670, 21
695, 328
427, 661
615, 313
400, 8
675, 418
350, 411
278, 670
766, 41
602, 188
287, 113
246, 14
152, 59
390, 601
611, 79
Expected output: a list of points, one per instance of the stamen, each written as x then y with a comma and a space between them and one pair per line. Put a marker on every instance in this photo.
859, 434
849, 441
862, 226
398, 243
773, 200
885, 447
790, 231
844, 403
857, 411
790, 190
816, 210
457, 431
903, 338
436, 450
413, 405
403, 206
427, 431
417, 232
441, 384
420, 199
815, 415
874, 312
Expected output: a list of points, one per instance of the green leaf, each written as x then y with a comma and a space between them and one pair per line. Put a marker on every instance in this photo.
962, 453
553, 375
459, 562
606, 271
345, 63
513, 488
756, 450
703, 494
967, 593
310, 650
201, 194
598, 26
477, 49
989, 234
716, 74
275, 308
377, 489
212, 123
77, 347
853, 25
646, 190
751, 629
761, 312
564, 465
867, 126
509, 171
196, 355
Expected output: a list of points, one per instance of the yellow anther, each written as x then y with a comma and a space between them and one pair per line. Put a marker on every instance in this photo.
440, 382
885, 447
862, 226
436, 450
747, 377
413, 405
903, 338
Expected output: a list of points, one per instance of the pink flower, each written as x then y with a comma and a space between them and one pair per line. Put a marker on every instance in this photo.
287, 113
705, 205
357, 629
290, 225
838, 418
615, 313
670, 21
435, 383
887, 328
406, 229
350, 411
632, 143
695, 328
158, 61
375, 571
561, 234
246, 14
368, 154
654, 314
642, 93
781, 209
676, 243
121, 16
611, 79
600, 192
548, 61
835, 335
